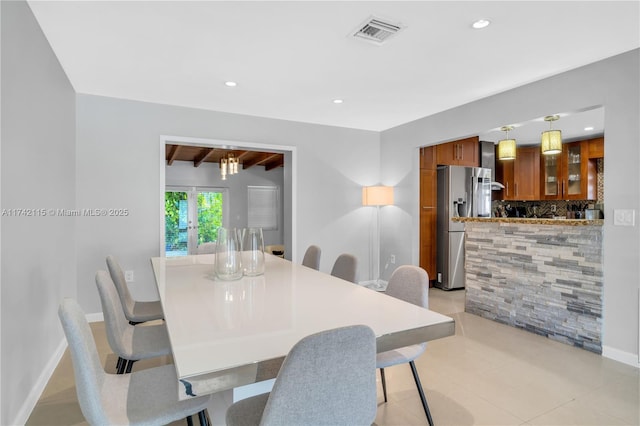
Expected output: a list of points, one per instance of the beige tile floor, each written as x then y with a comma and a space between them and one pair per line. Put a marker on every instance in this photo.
487, 374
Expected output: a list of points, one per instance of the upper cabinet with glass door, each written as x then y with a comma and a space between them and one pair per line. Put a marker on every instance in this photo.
564, 176
575, 173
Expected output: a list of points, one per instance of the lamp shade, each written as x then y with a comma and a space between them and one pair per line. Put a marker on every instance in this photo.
507, 149
377, 196
551, 142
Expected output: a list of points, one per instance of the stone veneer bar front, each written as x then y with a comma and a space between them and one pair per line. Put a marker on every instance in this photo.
541, 275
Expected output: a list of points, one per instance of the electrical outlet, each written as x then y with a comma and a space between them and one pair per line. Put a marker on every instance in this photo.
392, 259
624, 217
128, 276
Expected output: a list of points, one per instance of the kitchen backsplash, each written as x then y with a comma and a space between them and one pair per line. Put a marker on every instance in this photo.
538, 208
600, 180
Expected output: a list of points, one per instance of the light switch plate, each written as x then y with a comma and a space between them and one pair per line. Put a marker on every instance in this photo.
624, 217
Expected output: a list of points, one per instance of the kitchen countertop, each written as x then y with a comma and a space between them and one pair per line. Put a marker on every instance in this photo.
532, 220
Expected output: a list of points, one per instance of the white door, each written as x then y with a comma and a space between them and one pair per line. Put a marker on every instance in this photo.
192, 218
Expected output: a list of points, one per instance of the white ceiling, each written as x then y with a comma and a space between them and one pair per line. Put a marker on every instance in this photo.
291, 59
574, 125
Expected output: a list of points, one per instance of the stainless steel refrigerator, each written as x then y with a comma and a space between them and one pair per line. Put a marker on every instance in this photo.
463, 192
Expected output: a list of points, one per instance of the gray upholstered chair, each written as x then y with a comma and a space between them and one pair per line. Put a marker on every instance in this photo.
345, 267
144, 397
328, 378
411, 284
135, 311
311, 257
129, 342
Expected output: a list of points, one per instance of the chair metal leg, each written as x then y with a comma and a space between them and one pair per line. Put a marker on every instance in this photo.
122, 365
202, 416
421, 392
384, 384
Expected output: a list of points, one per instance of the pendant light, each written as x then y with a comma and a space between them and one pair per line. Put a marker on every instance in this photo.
228, 165
551, 141
507, 147
223, 168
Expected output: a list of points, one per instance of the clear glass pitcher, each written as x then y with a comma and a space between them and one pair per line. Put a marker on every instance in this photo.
228, 264
252, 251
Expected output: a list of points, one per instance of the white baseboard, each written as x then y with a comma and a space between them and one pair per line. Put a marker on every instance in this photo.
32, 399
97, 317
36, 392
621, 356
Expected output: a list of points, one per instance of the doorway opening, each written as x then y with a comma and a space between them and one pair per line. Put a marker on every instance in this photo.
182, 244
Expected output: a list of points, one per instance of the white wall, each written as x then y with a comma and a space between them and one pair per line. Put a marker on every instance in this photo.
182, 173
38, 171
612, 83
118, 160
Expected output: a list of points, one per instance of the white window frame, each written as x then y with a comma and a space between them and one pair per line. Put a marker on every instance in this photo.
263, 207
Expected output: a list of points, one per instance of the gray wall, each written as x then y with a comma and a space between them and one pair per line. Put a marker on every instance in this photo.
38, 171
612, 83
118, 166
182, 173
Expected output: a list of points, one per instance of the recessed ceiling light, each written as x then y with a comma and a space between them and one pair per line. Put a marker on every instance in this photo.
480, 23
338, 101
230, 83
588, 128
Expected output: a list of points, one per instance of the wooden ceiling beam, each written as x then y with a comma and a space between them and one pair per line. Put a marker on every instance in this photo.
275, 163
263, 160
175, 149
173, 154
207, 152
252, 162
199, 155
241, 154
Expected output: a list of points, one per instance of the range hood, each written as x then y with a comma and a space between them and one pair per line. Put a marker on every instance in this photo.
488, 161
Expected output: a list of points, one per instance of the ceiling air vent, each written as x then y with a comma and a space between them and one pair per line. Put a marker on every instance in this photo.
376, 30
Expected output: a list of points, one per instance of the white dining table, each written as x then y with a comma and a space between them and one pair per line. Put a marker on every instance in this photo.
226, 334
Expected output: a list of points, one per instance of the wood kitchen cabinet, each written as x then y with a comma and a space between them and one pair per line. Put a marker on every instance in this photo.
463, 152
565, 176
428, 210
596, 154
521, 176
596, 148
428, 158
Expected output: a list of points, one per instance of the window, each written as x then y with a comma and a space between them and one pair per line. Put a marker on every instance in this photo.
263, 207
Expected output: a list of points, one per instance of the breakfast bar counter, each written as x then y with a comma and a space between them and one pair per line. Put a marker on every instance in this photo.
542, 275
532, 221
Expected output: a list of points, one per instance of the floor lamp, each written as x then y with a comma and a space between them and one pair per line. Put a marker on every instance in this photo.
376, 196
